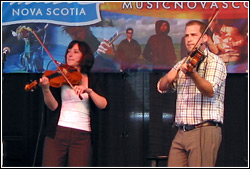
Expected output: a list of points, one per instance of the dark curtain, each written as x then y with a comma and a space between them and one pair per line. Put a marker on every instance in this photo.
136, 127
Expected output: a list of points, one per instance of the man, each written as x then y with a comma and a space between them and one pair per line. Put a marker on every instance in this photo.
159, 50
128, 51
199, 105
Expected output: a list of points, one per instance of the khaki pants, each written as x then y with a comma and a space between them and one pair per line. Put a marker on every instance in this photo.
195, 148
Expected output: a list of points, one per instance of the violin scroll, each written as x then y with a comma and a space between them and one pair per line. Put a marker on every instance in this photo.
31, 86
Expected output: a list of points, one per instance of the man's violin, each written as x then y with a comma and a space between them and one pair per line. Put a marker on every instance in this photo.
196, 57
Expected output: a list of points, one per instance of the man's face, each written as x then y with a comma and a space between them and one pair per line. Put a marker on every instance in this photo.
164, 27
129, 34
192, 35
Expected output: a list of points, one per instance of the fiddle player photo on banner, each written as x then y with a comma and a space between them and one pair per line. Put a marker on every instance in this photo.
115, 84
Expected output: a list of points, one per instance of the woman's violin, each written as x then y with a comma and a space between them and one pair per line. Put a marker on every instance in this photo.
63, 74
57, 79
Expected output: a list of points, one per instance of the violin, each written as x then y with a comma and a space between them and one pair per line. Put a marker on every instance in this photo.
196, 57
57, 79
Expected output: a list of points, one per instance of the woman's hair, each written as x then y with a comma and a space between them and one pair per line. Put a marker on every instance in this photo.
88, 58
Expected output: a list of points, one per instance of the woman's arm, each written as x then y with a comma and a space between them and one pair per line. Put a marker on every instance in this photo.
49, 99
100, 101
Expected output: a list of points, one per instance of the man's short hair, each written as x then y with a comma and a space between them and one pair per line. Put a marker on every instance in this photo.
196, 22
131, 29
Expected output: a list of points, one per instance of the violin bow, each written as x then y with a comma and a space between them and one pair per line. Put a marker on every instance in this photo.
50, 55
209, 24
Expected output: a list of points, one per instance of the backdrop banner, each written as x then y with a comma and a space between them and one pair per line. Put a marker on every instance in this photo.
58, 23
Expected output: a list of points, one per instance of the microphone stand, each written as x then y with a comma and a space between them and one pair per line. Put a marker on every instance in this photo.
3, 60
3, 141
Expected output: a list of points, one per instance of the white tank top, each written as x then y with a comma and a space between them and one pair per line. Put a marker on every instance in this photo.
74, 111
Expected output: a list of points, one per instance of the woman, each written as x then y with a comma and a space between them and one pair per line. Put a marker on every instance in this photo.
68, 139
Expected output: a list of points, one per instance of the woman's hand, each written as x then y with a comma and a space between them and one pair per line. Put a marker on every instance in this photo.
44, 83
79, 89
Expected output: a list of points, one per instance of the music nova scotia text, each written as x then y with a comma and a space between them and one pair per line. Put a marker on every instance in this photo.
184, 5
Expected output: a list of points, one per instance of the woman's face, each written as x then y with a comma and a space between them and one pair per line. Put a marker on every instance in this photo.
74, 56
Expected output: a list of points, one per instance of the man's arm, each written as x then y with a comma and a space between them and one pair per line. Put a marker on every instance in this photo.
202, 84
166, 81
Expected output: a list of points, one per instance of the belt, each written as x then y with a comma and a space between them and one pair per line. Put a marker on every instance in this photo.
191, 127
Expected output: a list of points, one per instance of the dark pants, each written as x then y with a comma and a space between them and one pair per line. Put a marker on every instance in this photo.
70, 147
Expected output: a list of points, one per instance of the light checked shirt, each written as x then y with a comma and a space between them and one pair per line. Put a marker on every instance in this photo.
192, 107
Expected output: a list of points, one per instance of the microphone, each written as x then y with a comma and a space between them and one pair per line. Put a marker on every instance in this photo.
6, 50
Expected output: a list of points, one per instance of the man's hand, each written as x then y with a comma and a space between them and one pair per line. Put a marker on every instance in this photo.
106, 49
187, 69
